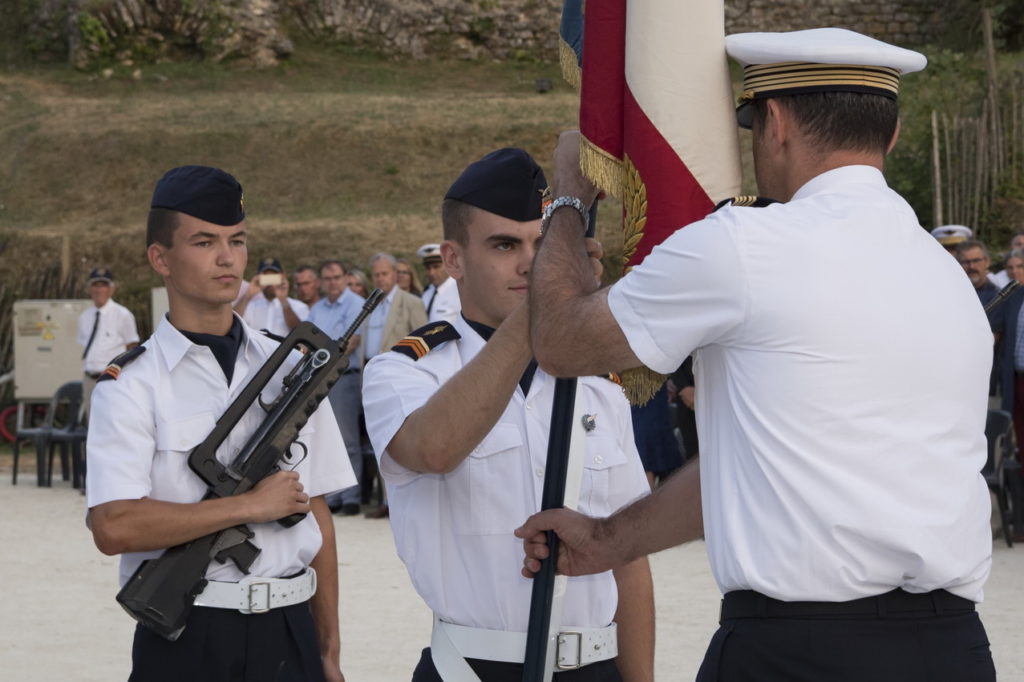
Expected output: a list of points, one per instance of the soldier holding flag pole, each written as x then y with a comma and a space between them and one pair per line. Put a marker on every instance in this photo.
846, 520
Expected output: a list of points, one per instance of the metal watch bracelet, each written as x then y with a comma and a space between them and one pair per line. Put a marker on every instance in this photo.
561, 202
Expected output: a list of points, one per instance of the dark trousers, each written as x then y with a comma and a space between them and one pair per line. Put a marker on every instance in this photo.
498, 671
222, 645
1018, 417
897, 648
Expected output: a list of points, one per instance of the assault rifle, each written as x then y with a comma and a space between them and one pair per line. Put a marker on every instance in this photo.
161, 592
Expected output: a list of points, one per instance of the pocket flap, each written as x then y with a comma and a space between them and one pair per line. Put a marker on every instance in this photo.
502, 437
602, 452
184, 434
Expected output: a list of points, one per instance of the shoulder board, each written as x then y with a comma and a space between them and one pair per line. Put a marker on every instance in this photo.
746, 200
613, 377
426, 339
113, 370
271, 335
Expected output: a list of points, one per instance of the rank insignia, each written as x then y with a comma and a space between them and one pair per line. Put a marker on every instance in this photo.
113, 370
589, 422
425, 339
746, 200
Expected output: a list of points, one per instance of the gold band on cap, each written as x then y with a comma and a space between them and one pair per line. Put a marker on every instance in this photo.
793, 77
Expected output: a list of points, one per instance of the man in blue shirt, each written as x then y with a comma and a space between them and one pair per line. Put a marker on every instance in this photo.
334, 313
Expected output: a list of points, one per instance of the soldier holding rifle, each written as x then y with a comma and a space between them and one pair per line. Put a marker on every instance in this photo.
846, 520
157, 402
459, 417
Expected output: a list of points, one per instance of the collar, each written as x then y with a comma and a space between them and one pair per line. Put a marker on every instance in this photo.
105, 307
447, 284
840, 177
174, 345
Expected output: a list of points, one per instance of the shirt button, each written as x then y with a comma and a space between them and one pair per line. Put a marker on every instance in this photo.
598, 459
540, 473
529, 406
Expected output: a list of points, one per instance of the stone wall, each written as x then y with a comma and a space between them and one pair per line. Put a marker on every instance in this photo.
254, 30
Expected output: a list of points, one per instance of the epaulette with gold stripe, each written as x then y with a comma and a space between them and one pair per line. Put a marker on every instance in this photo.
747, 200
113, 370
426, 339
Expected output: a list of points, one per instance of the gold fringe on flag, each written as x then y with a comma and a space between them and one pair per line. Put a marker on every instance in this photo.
640, 384
603, 169
570, 67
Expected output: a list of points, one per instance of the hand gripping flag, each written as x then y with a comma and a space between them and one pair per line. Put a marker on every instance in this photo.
656, 115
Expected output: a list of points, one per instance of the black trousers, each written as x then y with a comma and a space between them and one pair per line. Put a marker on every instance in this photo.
222, 645
498, 671
949, 647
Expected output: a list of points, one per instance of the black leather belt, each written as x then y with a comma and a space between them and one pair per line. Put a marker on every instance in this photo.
898, 603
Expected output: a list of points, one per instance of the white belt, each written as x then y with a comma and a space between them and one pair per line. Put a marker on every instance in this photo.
576, 648
257, 595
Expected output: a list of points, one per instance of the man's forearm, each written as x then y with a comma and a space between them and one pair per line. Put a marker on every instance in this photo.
324, 604
440, 434
669, 516
290, 318
635, 620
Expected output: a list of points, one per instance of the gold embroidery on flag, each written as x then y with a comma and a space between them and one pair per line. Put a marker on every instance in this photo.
634, 204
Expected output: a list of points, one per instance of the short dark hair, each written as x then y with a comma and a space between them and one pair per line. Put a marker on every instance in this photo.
160, 226
969, 244
332, 261
304, 267
455, 219
839, 120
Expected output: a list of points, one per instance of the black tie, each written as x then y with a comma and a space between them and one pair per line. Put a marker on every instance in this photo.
92, 337
432, 299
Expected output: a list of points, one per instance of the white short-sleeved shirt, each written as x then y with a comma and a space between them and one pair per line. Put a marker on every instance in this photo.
117, 329
454, 531
842, 372
443, 302
263, 314
163, 404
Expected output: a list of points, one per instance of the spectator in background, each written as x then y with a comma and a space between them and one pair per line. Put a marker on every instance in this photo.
408, 281
952, 235
974, 259
683, 385
1015, 266
266, 305
307, 285
335, 313
105, 330
441, 298
357, 282
655, 441
1002, 278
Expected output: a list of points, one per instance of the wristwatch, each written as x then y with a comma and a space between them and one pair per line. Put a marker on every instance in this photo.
559, 203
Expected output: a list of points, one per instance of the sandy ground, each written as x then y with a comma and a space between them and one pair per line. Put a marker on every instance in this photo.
59, 620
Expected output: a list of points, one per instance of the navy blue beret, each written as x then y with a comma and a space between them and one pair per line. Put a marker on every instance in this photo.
202, 192
507, 182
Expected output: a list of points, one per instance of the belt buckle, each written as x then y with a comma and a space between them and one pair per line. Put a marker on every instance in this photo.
562, 637
259, 591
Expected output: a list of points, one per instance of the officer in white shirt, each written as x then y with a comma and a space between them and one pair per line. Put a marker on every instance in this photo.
459, 418
267, 305
104, 331
155, 403
846, 520
441, 297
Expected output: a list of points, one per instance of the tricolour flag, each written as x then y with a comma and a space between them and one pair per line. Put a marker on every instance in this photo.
656, 114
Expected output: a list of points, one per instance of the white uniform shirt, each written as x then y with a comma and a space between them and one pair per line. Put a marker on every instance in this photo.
446, 304
454, 531
116, 331
144, 425
842, 380
263, 314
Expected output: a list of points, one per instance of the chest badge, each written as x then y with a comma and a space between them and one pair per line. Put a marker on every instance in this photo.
589, 422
